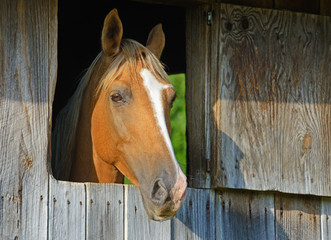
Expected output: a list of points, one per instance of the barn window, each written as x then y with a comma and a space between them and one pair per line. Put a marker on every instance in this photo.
79, 43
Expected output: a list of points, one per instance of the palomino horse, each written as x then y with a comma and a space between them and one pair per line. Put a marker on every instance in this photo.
118, 123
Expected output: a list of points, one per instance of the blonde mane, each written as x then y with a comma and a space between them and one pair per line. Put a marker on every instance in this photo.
64, 133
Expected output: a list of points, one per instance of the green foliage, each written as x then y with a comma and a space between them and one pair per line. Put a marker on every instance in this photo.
178, 122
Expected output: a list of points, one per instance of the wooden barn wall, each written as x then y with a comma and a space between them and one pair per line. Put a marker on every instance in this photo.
34, 205
108, 211
28, 60
259, 104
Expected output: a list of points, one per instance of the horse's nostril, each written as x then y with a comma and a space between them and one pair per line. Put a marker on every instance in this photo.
159, 192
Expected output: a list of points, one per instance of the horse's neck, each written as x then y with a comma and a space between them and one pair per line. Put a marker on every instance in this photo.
83, 169
86, 166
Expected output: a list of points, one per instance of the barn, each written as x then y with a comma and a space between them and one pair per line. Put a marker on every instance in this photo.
258, 128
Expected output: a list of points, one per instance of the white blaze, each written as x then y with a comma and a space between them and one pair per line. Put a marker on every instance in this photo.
154, 90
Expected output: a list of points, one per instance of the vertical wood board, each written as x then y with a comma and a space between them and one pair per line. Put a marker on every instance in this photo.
298, 217
196, 218
67, 210
105, 211
326, 219
28, 38
197, 96
137, 224
272, 109
245, 215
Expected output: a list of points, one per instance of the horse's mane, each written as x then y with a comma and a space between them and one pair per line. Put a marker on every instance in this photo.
64, 132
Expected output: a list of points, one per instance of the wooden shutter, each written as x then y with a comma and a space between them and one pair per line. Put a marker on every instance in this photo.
260, 84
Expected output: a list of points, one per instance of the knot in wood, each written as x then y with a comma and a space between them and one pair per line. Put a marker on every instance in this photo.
244, 23
28, 162
307, 142
228, 26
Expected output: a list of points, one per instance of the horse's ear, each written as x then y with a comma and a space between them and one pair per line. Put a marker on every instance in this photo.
112, 33
156, 40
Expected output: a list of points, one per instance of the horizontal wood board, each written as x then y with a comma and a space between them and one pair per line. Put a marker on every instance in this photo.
182, 3
322, 7
271, 125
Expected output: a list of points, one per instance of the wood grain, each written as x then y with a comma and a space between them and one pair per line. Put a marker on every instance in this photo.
137, 225
105, 211
284, 102
67, 210
196, 218
272, 111
245, 215
28, 50
298, 217
326, 218
197, 96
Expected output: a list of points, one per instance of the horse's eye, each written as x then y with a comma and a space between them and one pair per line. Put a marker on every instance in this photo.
116, 97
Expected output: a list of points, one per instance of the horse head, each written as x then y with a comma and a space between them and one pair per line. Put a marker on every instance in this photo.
130, 122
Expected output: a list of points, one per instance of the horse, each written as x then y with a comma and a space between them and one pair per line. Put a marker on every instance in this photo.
117, 123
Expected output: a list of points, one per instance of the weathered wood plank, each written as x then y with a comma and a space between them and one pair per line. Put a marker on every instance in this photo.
298, 217
245, 215
272, 110
137, 224
326, 218
325, 7
184, 3
28, 37
67, 207
307, 6
197, 96
196, 217
251, 3
105, 211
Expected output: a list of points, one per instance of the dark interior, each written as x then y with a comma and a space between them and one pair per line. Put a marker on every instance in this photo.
79, 32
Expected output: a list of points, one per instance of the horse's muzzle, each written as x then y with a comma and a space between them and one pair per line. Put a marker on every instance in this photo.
165, 202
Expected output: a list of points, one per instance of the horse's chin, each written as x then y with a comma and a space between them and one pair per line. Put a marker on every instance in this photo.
163, 215
165, 212
161, 218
